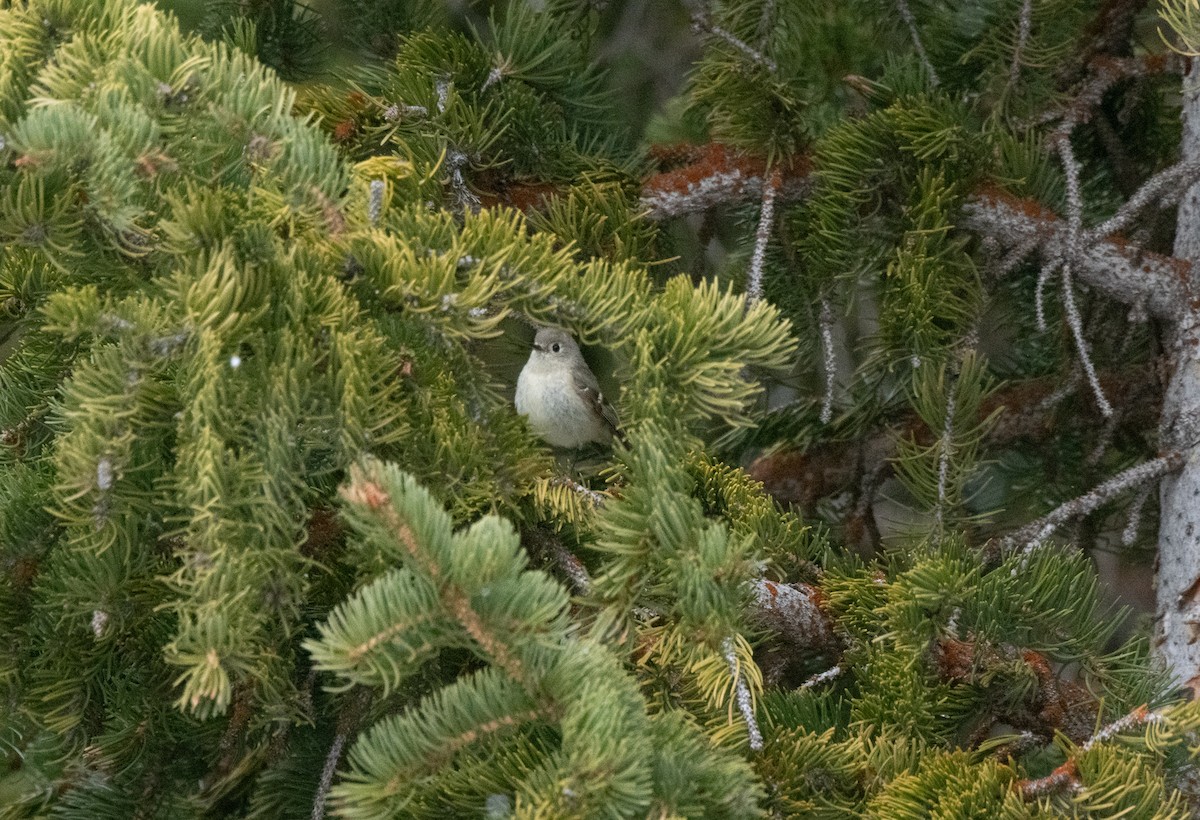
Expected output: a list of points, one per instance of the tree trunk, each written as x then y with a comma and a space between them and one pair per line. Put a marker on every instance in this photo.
1178, 581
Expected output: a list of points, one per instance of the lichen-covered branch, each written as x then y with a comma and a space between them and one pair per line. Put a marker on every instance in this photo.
1055, 705
717, 174
1066, 776
766, 222
794, 612
1036, 532
1122, 270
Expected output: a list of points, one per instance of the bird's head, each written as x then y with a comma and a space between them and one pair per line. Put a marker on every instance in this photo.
551, 343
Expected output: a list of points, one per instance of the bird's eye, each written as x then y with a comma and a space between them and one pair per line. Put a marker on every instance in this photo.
556, 347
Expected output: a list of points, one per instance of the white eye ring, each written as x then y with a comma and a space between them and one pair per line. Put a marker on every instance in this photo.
556, 347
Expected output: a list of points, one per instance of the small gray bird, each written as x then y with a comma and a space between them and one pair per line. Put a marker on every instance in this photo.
559, 395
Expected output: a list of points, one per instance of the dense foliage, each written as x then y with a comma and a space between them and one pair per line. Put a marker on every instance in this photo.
274, 542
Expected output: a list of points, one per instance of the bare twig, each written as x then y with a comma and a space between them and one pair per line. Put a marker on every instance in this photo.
1018, 254
1165, 187
1073, 243
745, 703
442, 86
1138, 717
597, 499
910, 21
765, 23
1024, 26
1085, 358
464, 198
1038, 531
944, 445
1123, 271
702, 22
327, 772
1063, 778
1039, 292
1056, 397
1104, 439
830, 363
347, 725
833, 673
549, 548
1134, 523
719, 175
766, 219
1066, 776
375, 202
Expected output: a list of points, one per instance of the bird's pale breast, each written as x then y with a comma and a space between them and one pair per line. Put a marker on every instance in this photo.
555, 410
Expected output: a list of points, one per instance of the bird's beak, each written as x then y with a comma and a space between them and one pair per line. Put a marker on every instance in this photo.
539, 348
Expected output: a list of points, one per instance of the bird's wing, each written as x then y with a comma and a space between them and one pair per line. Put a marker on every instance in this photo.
589, 389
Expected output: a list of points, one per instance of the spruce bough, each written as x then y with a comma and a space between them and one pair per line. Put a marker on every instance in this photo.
275, 542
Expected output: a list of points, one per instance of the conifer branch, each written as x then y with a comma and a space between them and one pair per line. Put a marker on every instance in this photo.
716, 174
364, 491
1035, 533
1066, 776
1053, 706
206, 372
